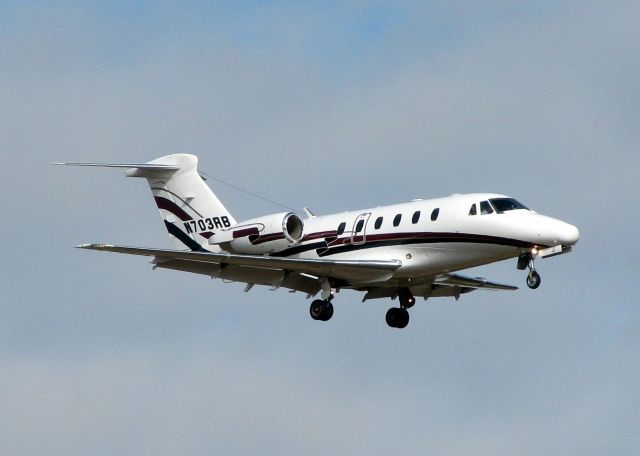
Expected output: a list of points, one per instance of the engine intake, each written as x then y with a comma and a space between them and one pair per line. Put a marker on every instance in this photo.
293, 227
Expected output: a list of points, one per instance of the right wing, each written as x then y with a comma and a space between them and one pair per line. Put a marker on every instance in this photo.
471, 282
442, 285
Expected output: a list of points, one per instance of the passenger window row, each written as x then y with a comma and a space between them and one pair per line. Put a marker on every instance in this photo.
415, 218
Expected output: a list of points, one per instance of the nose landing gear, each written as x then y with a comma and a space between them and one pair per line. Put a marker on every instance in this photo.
526, 260
533, 279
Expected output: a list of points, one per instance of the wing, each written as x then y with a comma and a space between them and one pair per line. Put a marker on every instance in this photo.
452, 285
458, 280
296, 274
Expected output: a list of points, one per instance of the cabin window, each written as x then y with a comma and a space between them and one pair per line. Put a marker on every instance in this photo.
473, 210
485, 208
396, 219
378, 223
359, 225
434, 214
416, 217
341, 228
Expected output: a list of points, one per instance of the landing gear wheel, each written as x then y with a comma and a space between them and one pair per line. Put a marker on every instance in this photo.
403, 321
533, 280
397, 318
327, 311
315, 310
321, 310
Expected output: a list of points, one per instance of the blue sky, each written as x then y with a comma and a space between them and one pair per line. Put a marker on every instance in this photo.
334, 106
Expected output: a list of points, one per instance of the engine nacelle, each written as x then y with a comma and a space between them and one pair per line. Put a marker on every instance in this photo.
267, 234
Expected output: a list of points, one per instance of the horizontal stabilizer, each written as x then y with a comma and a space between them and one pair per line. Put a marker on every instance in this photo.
121, 165
134, 169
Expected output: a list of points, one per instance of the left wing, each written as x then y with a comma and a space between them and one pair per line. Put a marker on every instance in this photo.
265, 270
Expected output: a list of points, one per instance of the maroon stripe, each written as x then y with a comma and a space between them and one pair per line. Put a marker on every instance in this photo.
321, 234
278, 236
206, 234
168, 205
245, 232
268, 238
440, 236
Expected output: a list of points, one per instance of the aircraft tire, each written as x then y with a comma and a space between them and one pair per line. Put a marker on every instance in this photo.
327, 311
397, 318
403, 319
316, 309
533, 280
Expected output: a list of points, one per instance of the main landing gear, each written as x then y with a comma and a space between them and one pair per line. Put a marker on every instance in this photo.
533, 278
321, 309
399, 317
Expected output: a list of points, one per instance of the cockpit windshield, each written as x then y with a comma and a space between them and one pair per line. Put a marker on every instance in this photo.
506, 204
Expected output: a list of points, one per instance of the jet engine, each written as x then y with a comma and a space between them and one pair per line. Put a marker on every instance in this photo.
267, 234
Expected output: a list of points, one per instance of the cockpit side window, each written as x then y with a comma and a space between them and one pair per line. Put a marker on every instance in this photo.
485, 208
506, 204
473, 210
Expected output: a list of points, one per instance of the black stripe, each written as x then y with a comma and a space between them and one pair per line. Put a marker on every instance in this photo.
186, 240
429, 238
374, 244
300, 249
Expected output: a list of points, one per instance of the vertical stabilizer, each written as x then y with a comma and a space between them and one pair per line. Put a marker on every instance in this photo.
191, 212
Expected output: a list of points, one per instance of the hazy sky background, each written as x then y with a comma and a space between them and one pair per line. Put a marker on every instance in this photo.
336, 106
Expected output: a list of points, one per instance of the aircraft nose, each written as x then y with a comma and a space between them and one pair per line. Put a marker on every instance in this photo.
568, 234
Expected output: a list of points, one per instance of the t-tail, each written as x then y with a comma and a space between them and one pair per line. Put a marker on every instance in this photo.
191, 212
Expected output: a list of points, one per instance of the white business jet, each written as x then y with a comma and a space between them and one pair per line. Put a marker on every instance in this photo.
402, 252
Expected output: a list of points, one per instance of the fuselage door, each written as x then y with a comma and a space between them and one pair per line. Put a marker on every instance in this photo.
359, 231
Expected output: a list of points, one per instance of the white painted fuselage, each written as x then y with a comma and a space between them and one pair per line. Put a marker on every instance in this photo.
432, 236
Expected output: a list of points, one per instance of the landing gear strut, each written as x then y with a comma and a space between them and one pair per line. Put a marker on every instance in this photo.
526, 260
399, 317
321, 309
